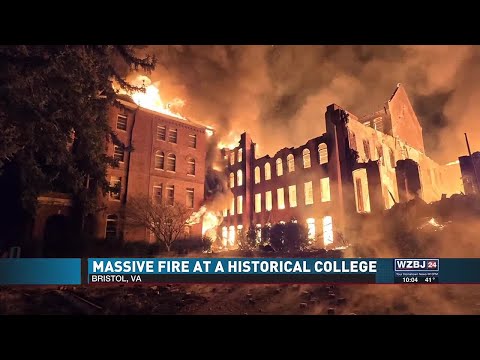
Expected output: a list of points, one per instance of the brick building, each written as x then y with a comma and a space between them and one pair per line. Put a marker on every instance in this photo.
168, 162
360, 165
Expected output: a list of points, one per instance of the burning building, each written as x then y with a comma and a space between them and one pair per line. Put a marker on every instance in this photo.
359, 166
168, 163
161, 155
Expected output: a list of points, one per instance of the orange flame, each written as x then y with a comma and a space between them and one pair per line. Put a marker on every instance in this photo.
210, 221
218, 167
152, 100
230, 141
456, 162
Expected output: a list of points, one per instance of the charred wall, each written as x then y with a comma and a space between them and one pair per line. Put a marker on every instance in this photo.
470, 169
371, 164
374, 145
301, 174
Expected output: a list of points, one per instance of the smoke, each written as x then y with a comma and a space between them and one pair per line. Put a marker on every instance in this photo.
408, 231
280, 93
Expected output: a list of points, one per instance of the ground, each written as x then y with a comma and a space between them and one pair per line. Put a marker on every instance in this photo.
229, 299
448, 228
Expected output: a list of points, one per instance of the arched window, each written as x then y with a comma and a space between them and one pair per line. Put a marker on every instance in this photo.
171, 162
159, 160
380, 155
239, 178
378, 124
290, 163
366, 148
231, 235
323, 153
327, 230
240, 155
392, 158
311, 229
232, 180
257, 175
224, 236
111, 227
306, 158
268, 171
232, 157
352, 140
191, 166
279, 167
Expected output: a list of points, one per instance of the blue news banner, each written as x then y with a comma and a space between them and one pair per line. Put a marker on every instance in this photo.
238, 270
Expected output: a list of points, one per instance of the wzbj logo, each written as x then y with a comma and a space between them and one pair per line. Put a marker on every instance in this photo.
417, 264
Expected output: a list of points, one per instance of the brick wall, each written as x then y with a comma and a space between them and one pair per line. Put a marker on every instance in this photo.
139, 175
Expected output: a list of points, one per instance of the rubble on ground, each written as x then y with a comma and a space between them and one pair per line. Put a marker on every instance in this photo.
247, 299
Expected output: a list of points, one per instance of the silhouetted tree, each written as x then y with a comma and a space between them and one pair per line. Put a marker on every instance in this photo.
265, 239
53, 119
296, 236
249, 240
277, 236
166, 222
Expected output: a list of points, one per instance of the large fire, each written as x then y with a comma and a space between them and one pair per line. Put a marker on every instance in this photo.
230, 141
210, 221
152, 100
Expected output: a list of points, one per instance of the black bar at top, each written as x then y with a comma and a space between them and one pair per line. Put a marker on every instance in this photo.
243, 278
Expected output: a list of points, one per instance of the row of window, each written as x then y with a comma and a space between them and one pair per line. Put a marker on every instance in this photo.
376, 124
322, 157
112, 219
239, 156
292, 197
172, 136
115, 182
160, 164
111, 228
171, 163
279, 166
170, 195
229, 233
163, 134
378, 151
388, 159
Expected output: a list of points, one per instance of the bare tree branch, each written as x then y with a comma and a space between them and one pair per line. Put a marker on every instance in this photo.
166, 222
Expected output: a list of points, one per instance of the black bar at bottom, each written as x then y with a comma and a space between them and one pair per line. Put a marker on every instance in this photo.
236, 278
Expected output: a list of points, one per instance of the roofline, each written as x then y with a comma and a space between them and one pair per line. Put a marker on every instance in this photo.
170, 117
291, 148
396, 89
